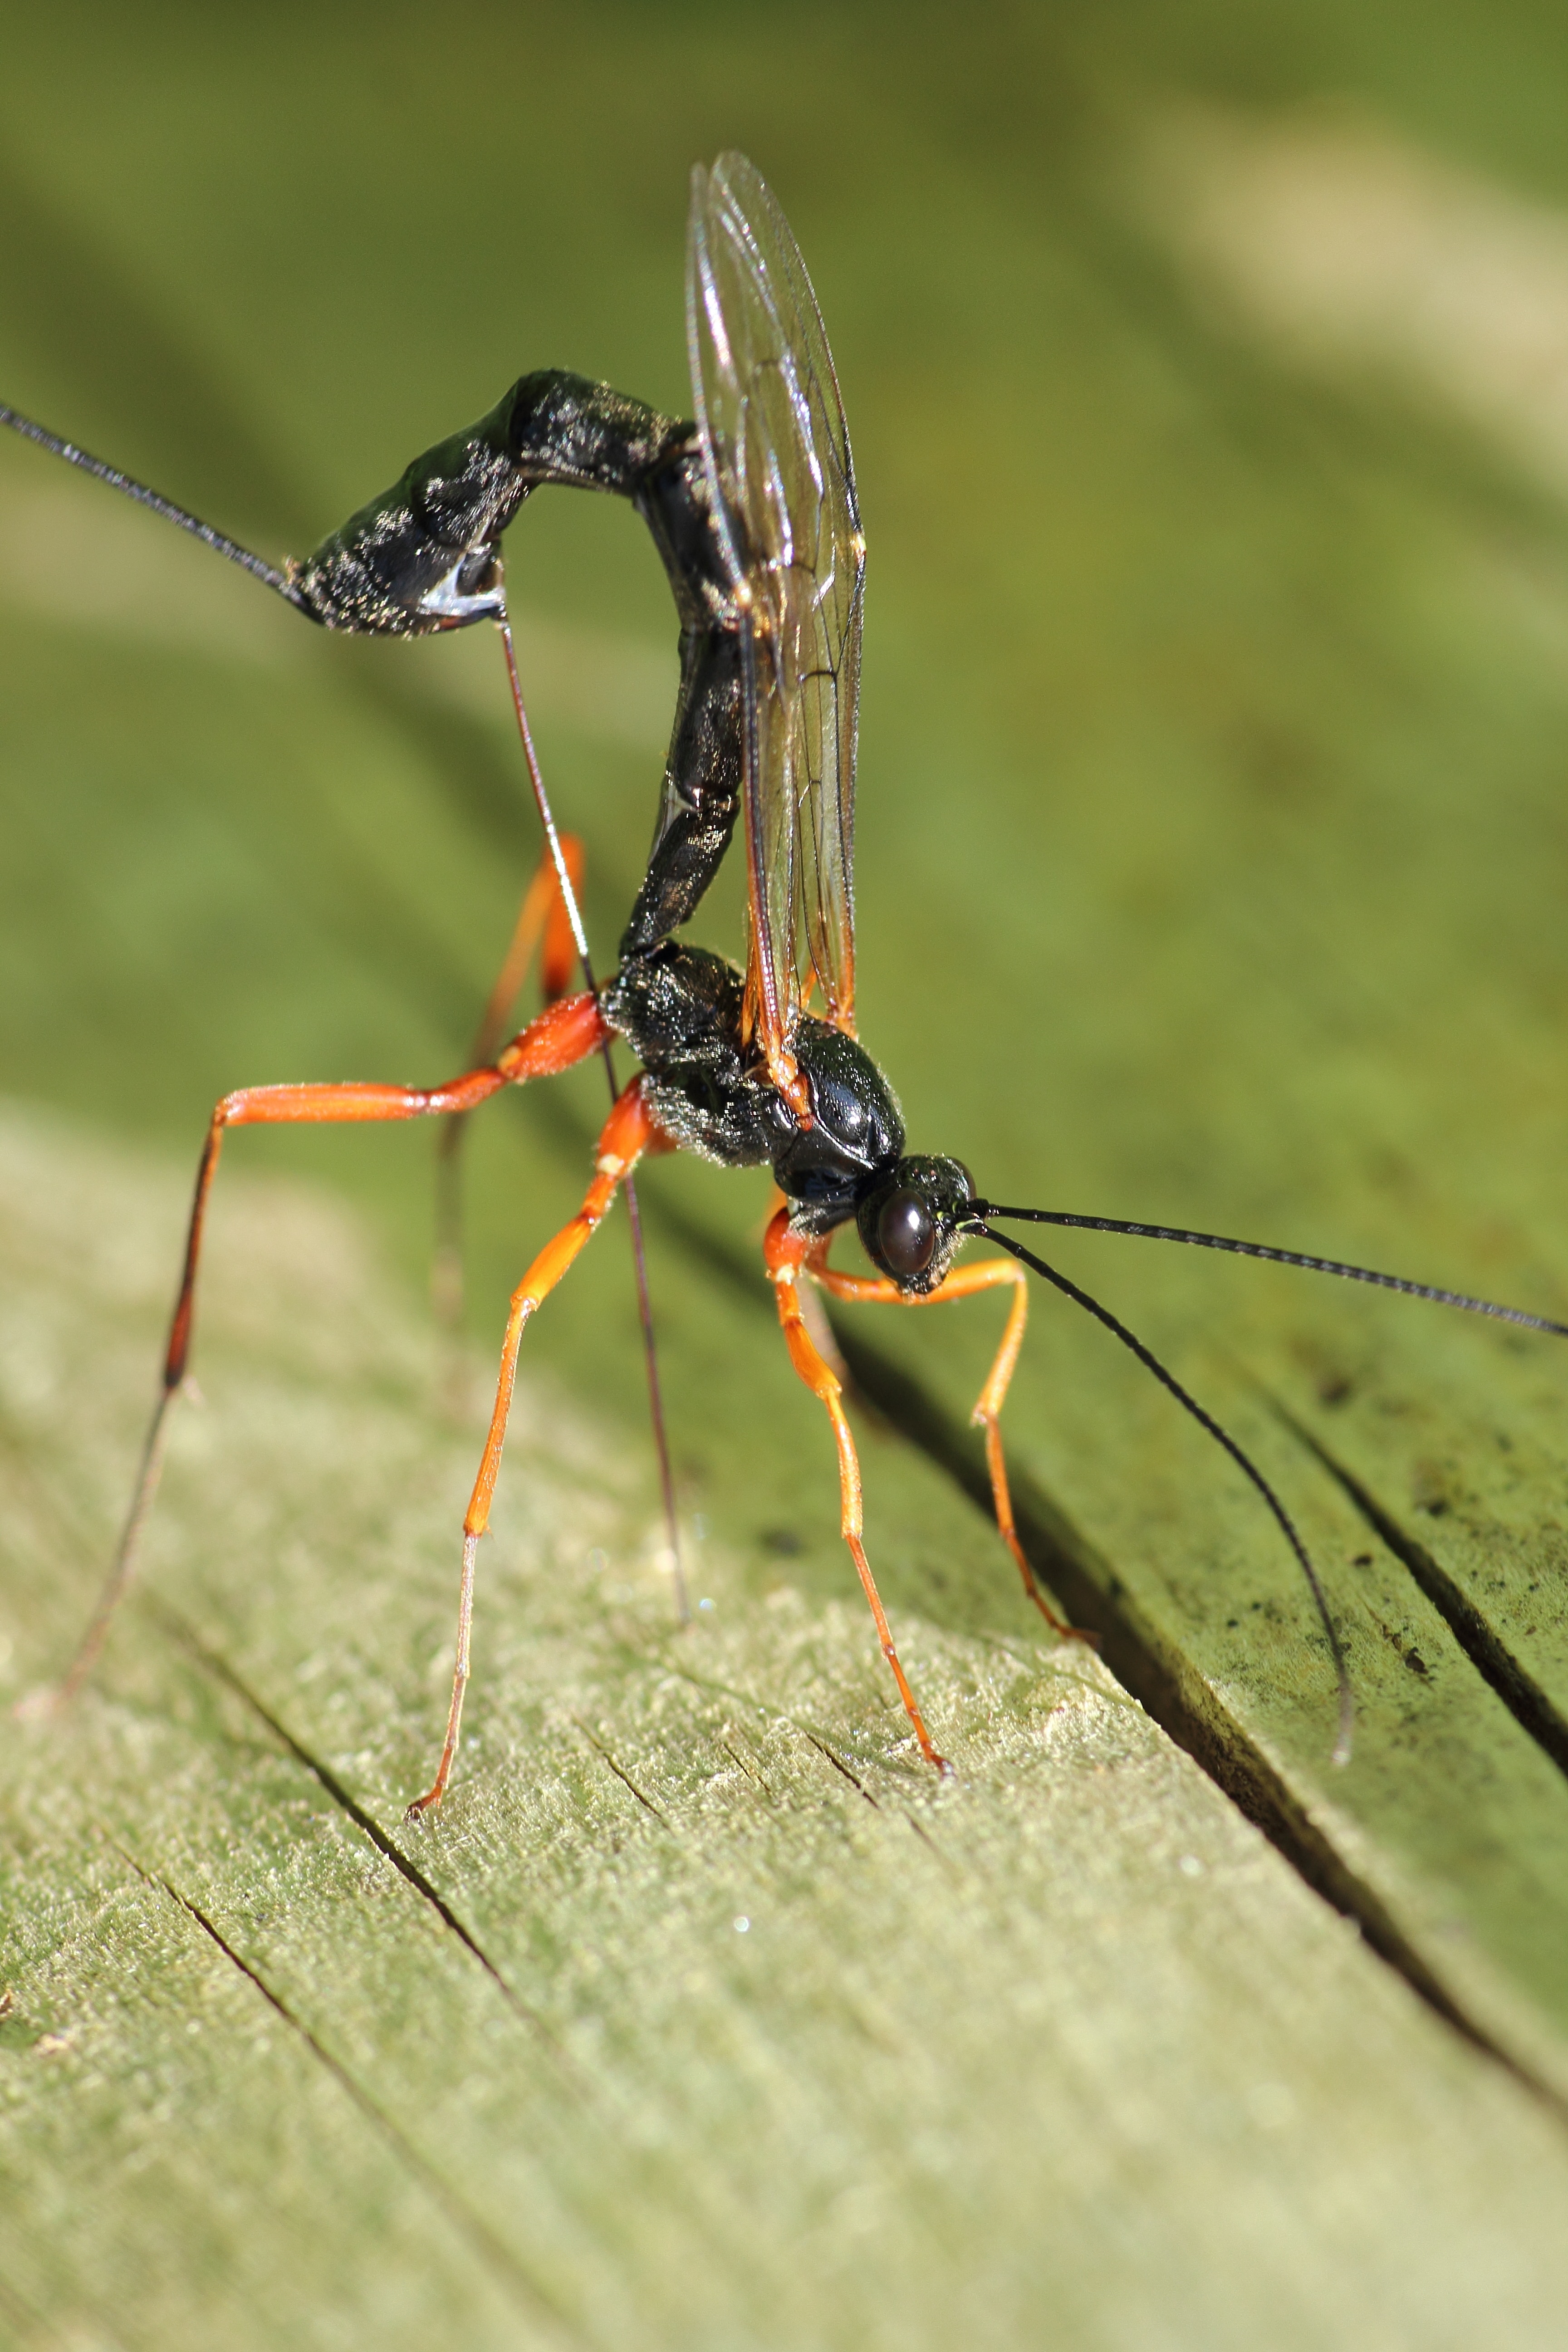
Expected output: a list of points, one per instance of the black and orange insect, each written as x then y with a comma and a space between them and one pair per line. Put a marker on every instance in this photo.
752, 507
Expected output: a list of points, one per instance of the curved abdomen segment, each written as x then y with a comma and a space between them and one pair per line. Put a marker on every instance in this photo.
422, 555
425, 556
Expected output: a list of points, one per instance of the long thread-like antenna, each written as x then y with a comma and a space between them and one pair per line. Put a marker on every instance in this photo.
634, 1212
1147, 1357
259, 568
1278, 1257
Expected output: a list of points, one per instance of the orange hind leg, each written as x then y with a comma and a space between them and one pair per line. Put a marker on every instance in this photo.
542, 928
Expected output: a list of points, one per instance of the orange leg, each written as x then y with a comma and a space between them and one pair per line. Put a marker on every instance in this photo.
788, 1256
967, 1282
542, 918
561, 1037
627, 1133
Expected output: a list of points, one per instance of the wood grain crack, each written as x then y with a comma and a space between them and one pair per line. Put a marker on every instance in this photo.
625, 1777
219, 1666
1167, 1685
1522, 1696
492, 2249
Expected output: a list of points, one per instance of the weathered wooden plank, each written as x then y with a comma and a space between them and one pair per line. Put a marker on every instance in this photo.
1068, 2037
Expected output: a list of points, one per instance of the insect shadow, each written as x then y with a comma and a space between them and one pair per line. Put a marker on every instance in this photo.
752, 505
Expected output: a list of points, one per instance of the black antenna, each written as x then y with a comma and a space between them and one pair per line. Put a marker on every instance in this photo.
1278, 1257
57, 447
1147, 1357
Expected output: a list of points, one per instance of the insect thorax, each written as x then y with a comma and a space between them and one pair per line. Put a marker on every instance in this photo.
679, 1009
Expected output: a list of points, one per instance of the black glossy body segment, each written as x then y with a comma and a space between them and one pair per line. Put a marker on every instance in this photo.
426, 556
702, 774
679, 1009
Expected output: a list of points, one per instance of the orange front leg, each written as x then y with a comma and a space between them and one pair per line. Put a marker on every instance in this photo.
627, 1134
787, 1255
562, 1035
967, 1282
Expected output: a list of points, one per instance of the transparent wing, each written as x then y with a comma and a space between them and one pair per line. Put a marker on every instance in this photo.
782, 482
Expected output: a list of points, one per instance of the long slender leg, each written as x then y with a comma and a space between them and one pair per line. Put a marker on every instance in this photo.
627, 1133
562, 1036
543, 928
787, 1255
968, 1282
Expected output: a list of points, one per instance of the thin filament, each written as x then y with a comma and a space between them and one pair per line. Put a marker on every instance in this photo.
130, 488
1205, 1420
985, 1208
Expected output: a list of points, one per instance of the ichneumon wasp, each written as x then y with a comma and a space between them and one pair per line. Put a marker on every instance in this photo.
754, 510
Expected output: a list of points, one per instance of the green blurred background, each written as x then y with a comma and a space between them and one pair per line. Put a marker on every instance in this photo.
1211, 836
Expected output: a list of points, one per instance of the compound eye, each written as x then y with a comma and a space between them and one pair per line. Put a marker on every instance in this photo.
906, 1234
